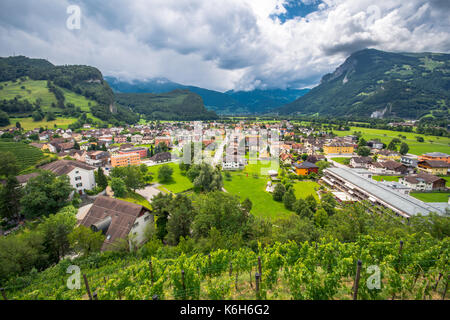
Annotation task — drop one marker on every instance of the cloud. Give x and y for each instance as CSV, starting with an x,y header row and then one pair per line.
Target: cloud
x,y
223,44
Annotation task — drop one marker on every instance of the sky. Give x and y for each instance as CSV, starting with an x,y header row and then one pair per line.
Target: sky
x,y
220,44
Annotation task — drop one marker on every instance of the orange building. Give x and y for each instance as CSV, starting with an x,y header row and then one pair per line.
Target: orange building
x,y
305,168
338,148
437,156
124,160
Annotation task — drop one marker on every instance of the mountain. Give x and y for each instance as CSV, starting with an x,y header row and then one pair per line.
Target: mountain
x,y
36,87
174,105
262,101
381,84
230,102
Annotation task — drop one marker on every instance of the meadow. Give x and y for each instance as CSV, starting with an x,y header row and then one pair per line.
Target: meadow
x,y
254,188
431,196
179,182
431,144
29,124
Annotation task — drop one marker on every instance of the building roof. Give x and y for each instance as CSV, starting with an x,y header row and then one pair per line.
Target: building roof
x,y
436,155
305,165
362,159
119,214
61,167
435,163
425,177
162,156
401,202
25,177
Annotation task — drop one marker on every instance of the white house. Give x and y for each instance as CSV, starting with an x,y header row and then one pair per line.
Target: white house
x,y
81,175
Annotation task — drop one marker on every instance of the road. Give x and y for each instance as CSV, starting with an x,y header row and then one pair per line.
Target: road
x,y
218,155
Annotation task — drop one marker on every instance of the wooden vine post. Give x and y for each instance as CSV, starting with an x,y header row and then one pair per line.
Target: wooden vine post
x,y
183,284
151,271
3,293
95,295
259,267
257,280
356,284
86,283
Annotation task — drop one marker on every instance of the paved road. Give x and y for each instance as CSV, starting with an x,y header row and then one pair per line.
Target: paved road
x,y
218,155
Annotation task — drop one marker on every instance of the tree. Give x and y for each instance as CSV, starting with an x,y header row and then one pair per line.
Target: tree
x,y
404,148
328,203
10,196
363,151
165,173
247,205
278,192
181,216
206,178
4,119
55,229
50,116
102,182
392,146
85,240
321,218
8,164
76,145
45,194
18,125
312,202
289,199
362,143
161,208
118,187
302,208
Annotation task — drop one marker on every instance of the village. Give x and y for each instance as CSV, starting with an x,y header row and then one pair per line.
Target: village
x,y
317,163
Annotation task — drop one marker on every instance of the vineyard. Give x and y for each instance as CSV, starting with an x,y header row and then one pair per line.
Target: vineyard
x,y
27,156
416,268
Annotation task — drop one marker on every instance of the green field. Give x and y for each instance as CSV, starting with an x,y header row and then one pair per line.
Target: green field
x,y
386,178
29,124
432,196
138,199
438,144
254,189
35,89
342,160
302,189
179,182
27,156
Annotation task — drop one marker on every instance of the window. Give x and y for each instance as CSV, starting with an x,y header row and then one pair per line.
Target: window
x,y
79,185
77,178
147,218
135,225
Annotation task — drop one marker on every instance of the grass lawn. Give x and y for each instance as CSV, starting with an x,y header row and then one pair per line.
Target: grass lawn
x,y
343,160
448,181
179,182
438,144
261,168
432,196
302,189
254,189
29,124
386,178
136,198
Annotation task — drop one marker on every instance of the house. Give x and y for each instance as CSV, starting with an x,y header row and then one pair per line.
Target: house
x,y
374,144
305,168
147,140
23,179
97,158
388,155
435,156
286,158
423,182
137,138
124,160
434,167
360,162
81,174
232,163
315,158
338,148
166,140
161,157
388,167
118,219
141,151
120,139
410,161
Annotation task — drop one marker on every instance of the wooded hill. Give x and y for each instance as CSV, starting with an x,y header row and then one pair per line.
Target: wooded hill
x,y
382,84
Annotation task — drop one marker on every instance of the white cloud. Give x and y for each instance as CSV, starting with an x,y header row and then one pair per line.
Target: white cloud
x,y
221,44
